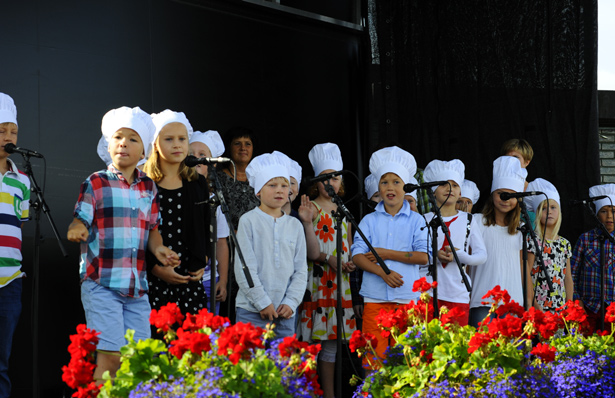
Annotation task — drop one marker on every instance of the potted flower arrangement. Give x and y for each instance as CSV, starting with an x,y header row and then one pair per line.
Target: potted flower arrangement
x,y
202,356
513,353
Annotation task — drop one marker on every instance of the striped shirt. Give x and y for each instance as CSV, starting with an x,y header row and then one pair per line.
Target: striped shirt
x,y
14,209
119,217
585,264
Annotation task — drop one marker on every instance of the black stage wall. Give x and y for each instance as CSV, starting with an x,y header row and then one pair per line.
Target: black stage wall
x,y
224,63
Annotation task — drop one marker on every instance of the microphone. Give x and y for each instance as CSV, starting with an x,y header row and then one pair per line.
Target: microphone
x,y
413,187
588,200
11,148
326,176
192,161
507,195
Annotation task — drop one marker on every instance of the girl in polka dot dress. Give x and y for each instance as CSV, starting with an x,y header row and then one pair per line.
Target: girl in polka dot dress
x,y
183,207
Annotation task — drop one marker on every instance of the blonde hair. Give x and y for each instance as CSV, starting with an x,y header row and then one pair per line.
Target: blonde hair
x,y
538,224
512,218
313,191
154,171
518,145
8,124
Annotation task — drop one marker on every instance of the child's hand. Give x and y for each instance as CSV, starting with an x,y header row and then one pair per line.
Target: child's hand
x,y
284,311
393,279
221,290
269,313
169,275
358,311
445,256
306,210
196,276
348,267
166,256
77,231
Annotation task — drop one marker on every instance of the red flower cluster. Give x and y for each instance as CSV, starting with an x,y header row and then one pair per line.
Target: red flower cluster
x,y
194,342
238,340
498,295
166,317
452,316
610,313
290,345
78,375
204,319
421,285
387,320
544,352
359,340
312,376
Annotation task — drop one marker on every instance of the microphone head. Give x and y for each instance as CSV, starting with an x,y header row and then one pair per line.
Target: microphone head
x,y
9,147
191,161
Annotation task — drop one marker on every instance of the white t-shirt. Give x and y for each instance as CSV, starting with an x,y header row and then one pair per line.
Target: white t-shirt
x,y
450,283
503,265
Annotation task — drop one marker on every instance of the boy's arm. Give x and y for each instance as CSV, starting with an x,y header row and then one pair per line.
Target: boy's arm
x,y
166,256
405,257
306,214
222,255
393,279
77,231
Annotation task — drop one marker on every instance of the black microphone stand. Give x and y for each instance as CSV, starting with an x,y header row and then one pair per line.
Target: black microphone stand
x,y
38,205
604,234
527,230
341,212
435,223
214,202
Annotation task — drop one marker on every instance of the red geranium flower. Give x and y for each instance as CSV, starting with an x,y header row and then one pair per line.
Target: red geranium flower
x,y
422,285
452,316
497,294
238,340
325,228
208,320
194,342
610,313
509,326
544,352
477,341
573,312
166,317
511,307
359,340
89,391
83,343
79,372
290,345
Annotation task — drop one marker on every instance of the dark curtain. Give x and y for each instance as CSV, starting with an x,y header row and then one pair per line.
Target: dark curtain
x,y
455,79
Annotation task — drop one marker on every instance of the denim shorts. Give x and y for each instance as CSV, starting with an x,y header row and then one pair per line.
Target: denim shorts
x,y
283,327
111,314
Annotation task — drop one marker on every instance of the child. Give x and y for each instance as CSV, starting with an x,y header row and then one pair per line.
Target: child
x,y
207,145
469,196
556,251
585,262
15,200
397,235
371,189
412,197
116,220
273,246
498,224
294,171
522,150
318,314
183,195
464,232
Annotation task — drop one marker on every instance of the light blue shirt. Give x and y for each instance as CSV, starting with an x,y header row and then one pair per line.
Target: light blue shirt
x,y
275,253
401,232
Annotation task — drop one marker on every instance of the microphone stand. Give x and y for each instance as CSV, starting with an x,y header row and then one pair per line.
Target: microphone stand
x,y
526,229
604,234
435,223
341,212
38,205
214,202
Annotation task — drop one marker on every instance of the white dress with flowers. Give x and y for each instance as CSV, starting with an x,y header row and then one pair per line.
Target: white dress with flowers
x,y
318,319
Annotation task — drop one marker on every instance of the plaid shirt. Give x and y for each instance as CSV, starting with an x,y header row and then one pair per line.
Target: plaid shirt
x,y
118,217
585,264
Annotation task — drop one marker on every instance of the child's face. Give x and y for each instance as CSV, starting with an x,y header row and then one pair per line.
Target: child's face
x,y
200,150
391,189
376,198
448,194
126,148
503,206
605,215
335,182
241,150
172,143
8,134
274,194
553,213
294,189
464,204
518,155
412,202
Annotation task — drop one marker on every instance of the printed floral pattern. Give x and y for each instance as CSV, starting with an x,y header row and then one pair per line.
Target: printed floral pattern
x,y
555,253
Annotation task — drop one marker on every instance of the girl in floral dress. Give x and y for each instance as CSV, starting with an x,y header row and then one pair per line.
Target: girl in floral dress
x,y
556,251
318,311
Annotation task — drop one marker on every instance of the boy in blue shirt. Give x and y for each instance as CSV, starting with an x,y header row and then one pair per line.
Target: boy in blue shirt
x,y
273,246
395,232
116,221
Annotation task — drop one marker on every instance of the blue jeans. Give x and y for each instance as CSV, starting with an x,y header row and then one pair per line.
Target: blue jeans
x,y
477,314
283,327
207,287
10,309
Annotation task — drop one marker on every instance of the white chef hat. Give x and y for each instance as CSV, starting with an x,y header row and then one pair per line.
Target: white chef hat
x,y
8,110
413,181
168,116
600,190
326,156
294,169
131,118
371,186
103,150
265,167
392,160
212,139
541,185
442,170
470,190
508,174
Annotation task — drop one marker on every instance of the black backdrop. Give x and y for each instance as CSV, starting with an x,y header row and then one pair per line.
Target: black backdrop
x,y
224,63
455,79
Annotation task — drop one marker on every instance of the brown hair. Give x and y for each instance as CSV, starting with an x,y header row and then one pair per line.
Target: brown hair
x,y
313,191
512,218
519,145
